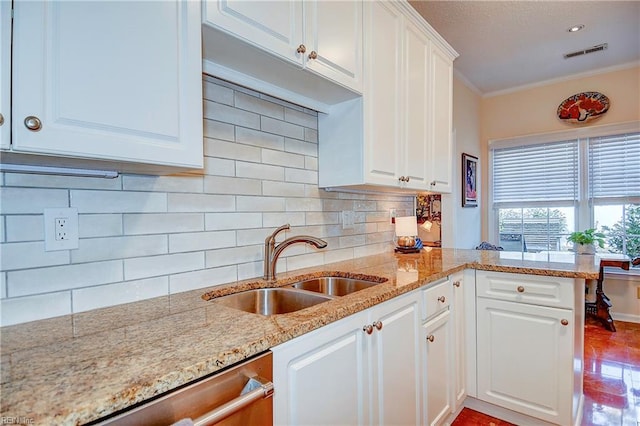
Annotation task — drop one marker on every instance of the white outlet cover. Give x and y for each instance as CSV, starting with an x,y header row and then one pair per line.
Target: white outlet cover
x,y
50,216
348,219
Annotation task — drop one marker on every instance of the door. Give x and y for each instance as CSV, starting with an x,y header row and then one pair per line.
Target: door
x,y
438,362
108,80
395,361
525,358
334,35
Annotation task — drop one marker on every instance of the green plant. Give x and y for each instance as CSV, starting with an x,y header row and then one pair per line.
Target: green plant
x,y
589,236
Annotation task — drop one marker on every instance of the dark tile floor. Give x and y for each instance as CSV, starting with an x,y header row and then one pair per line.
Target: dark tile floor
x,y
611,379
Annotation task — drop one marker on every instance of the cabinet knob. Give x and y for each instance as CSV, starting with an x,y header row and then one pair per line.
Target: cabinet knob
x,y
432,183
301,49
1,119
431,338
564,322
404,178
313,55
368,329
456,283
520,289
441,299
378,325
33,123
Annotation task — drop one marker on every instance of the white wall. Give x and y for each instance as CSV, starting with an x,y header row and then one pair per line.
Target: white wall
x,y
148,236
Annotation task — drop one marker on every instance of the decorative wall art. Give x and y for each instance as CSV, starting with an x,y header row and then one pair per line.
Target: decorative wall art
x,y
469,181
583,107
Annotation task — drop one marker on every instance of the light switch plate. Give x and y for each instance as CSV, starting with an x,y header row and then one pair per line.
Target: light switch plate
x,y
60,229
348,219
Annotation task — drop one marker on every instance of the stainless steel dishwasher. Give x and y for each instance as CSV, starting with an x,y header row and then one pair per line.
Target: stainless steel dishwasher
x,y
239,396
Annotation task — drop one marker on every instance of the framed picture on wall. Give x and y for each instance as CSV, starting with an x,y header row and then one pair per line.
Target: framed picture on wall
x,y
469,181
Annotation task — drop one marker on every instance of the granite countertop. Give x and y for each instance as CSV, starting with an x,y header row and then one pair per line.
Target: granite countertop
x,y
78,368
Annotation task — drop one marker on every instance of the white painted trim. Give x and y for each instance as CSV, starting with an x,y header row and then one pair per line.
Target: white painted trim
x,y
457,74
626,317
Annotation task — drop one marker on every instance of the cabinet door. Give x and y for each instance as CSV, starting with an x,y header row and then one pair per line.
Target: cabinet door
x,y
525,358
441,113
275,26
438,362
396,362
459,387
334,34
109,80
382,93
321,377
5,74
416,119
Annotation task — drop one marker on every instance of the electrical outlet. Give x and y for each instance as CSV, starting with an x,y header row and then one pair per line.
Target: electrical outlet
x,y
60,229
392,215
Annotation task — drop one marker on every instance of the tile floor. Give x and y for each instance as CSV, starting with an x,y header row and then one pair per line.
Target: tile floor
x,y
611,379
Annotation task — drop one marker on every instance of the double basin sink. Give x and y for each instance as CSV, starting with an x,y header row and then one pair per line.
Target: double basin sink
x,y
297,296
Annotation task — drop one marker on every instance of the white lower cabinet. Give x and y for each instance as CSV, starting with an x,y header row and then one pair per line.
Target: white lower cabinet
x,y
340,374
459,374
437,332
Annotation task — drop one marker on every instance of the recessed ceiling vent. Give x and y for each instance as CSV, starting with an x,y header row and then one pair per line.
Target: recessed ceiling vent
x,y
597,48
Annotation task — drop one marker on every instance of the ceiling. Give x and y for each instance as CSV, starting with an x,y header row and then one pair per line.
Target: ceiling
x,y
505,45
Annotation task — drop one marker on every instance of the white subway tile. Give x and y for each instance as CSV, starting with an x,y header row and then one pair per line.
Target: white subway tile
x,y
136,224
66,182
280,102
217,93
270,125
234,255
201,279
219,167
322,218
85,299
337,205
250,270
232,185
31,200
94,249
201,203
234,151
56,278
301,118
30,255
260,139
282,189
304,204
370,250
364,205
153,266
311,163
256,204
227,114
259,106
99,225
352,241
301,147
232,86
305,261
259,171
217,130
118,202
310,135
229,221
2,229
249,237
3,285
201,241
280,158
25,228
380,237
338,255
301,176
274,220
162,183
33,308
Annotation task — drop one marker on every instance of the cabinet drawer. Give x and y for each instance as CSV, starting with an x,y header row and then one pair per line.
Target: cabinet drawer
x,y
436,298
533,289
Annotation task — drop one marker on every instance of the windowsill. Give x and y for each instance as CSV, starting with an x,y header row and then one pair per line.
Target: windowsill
x,y
622,275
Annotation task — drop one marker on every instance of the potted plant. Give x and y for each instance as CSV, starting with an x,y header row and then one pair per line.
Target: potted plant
x,y
584,241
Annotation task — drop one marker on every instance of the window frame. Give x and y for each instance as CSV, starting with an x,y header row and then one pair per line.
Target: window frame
x,y
584,207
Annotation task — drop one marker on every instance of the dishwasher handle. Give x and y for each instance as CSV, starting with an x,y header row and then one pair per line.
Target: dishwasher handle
x,y
257,388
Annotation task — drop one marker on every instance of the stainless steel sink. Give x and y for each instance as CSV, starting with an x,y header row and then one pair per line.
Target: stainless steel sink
x,y
271,301
334,286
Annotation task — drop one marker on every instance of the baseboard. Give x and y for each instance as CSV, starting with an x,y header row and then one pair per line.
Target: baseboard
x,y
625,317
503,413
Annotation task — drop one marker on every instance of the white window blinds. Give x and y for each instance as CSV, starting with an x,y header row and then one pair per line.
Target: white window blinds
x,y
614,166
543,173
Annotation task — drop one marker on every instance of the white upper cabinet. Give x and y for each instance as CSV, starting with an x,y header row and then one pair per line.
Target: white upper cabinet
x,y
117,81
398,135
5,74
304,51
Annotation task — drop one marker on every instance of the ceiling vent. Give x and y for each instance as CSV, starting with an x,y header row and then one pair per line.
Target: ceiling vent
x,y
597,48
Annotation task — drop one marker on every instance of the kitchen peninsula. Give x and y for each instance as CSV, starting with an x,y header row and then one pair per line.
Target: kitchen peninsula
x,y
78,368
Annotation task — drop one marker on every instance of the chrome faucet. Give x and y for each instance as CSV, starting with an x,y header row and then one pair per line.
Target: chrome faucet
x,y
272,252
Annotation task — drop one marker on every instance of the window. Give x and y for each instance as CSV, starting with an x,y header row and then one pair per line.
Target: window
x,y
545,187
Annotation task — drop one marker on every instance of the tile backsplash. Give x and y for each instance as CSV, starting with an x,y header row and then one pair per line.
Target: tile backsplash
x,y
147,236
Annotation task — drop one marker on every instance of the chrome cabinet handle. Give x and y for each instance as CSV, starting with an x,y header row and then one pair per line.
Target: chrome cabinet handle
x,y
441,299
33,123
378,325
431,338
313,55
368,329
520,289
